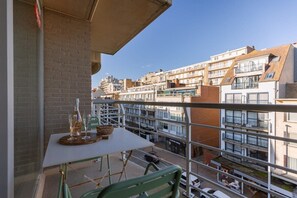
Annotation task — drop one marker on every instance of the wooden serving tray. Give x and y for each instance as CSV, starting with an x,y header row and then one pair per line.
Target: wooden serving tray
x,y
65,140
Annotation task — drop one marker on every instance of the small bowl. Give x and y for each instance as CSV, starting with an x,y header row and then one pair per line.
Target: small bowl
x,y
104,129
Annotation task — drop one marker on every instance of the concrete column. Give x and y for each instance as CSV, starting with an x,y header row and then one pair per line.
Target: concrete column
x,y
6,100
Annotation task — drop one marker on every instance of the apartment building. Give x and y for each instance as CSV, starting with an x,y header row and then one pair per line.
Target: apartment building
x,y
110,84
259,77
219,64
170,116
286,126
190,75
210,72
285,152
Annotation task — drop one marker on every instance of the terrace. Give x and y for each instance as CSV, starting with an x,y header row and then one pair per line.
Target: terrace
x,y
49,64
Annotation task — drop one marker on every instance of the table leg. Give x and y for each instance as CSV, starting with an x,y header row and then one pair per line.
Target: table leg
x,y
62,170
124,166
109,170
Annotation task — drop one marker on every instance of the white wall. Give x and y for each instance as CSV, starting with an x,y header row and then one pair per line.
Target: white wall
x,y
269,87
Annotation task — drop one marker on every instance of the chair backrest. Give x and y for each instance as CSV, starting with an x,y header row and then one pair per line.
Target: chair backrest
x,y
162,183
93,123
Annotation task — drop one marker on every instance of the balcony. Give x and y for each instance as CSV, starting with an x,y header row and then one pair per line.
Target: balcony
x,y
206,173
249,68
216,75
245,85
217,67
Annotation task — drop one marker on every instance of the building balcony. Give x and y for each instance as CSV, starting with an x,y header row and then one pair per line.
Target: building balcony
x,y
249,68
244,143
247,85
216,75
257,125
223,66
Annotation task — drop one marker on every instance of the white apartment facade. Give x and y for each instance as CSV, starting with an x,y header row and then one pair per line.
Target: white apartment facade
x,y
259,77
219,64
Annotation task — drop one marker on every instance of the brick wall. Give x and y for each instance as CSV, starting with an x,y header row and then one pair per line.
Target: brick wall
x,y
208,136
27,135
67,72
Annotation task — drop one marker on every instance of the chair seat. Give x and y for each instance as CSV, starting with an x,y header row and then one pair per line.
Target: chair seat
x,y
92,193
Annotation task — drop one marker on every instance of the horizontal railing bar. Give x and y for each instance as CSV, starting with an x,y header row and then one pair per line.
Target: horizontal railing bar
x,y
237,178
254,107
247,133
232,176
160,133
154,119
220,128
217,149
220,150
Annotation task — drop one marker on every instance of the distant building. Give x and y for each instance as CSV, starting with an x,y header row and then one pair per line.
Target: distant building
x,y
111,84
220,63
173,92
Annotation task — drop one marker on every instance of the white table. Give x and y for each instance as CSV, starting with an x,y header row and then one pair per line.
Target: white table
x,y
120,140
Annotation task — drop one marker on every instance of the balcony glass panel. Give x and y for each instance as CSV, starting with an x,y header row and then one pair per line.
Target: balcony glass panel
x,y
252,139
237,137
249,67
246,82
229,135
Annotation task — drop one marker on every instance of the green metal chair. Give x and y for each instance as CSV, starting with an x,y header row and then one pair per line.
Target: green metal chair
x,y
94,122
161,183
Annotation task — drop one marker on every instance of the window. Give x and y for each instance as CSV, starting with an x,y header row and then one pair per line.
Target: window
x,y
233,117
269,75
257,141
292,163
229,147
257,98
233,98
258,154
233,148
292,117
233,135
257,119
165,126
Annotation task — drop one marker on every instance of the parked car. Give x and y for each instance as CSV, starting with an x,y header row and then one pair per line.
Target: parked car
x,y
152,157
215,193
193,180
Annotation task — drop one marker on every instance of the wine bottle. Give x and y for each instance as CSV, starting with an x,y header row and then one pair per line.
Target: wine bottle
x,y
77,119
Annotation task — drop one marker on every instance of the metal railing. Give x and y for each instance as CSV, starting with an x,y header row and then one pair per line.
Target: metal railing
x,y
249,68
270,187
245,85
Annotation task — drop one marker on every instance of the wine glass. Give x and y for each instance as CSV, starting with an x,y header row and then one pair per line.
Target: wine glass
x,y
71,126
86,121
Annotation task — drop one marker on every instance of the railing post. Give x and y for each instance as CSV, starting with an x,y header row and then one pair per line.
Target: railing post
x,y
123,115
189,149
108,115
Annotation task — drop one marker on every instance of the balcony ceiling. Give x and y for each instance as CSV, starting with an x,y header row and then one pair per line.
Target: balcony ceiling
x,y
113,22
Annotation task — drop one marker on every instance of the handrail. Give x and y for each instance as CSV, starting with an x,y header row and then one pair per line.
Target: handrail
x,y
189,142
252,107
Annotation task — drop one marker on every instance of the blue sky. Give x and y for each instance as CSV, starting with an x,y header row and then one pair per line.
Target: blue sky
x,y
192,30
